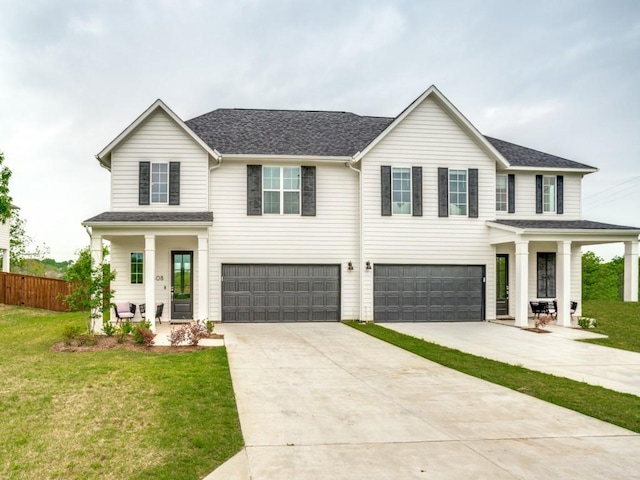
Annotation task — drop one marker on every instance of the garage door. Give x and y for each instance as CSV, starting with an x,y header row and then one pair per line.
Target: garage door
x,y
280,293
428,293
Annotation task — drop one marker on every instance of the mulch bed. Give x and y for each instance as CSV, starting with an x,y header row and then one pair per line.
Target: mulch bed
x,y
109,343
536,330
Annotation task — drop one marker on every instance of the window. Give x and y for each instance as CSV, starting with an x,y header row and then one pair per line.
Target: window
x,y
159,183
457,192
136,267
281,190
401,191
546,274
501,193
548,194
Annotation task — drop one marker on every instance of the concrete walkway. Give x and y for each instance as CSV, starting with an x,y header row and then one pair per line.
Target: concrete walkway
x,y
324,401
557,352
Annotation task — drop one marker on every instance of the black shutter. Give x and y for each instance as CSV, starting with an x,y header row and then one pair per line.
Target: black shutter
x,y
174,183
308,191
560,194
416,181
473,193
443,192
511,193
385,190
254,189
144,182
538,193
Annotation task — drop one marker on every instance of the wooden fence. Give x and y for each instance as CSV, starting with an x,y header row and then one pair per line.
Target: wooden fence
x,y
36,292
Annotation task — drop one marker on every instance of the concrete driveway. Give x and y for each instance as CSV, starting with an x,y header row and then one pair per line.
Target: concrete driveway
x,y
324,401
557,352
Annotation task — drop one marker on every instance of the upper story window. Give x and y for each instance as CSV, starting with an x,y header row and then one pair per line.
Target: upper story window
x,y
458,196
549,194
159,183
281,190
501,193
401,191
137,267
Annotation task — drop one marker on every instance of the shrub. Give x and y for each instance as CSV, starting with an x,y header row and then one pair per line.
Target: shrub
x,y
89,339
120,335
542,320
70,332
127,326
109,329
195,331
142,333
209,324
586,322
178,335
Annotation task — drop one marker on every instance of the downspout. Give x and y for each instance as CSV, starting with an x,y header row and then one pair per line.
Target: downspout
x,y
350,164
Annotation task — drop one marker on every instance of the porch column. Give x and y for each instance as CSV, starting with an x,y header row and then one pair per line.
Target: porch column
x,y
631,271
96,261
563,285
203,277
149,278
6,261
522,283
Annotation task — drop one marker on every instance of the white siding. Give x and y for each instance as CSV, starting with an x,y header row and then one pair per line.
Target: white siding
x,y
429,138
159,139
330,237
526,198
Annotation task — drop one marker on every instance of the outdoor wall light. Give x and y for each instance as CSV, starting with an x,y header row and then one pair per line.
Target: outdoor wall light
x,y
350,265
368,264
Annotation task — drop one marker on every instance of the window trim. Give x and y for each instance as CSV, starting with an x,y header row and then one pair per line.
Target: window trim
x,y
466,172
282,190
506,192
137,274
151,184
410,202
546,196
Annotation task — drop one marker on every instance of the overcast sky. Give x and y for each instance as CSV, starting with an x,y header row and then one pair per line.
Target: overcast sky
x,y
558,76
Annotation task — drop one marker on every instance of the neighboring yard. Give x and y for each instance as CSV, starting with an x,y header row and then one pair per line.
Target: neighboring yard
x,y
112,414
619,320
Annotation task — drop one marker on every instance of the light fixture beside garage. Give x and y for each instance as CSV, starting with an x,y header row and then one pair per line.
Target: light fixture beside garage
x,y
350,265
368,265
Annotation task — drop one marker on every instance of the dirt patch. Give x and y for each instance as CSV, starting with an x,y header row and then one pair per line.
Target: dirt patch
x,y
109,343
536,330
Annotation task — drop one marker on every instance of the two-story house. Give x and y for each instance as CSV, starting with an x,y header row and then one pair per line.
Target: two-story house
x,y
278,215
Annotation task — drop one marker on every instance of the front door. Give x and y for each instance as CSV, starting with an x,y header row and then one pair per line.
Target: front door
x,y
502,284
181,285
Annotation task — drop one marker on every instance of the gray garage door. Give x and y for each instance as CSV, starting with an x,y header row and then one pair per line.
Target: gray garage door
x,y
428,293
280,293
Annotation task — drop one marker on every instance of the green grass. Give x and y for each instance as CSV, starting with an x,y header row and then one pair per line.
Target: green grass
x,y
113,414
619,320
620,409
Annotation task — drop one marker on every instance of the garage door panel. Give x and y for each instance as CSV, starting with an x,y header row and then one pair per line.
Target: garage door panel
x,y
277,293
418,293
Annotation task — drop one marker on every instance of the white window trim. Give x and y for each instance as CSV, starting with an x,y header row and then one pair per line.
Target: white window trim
x,y
410,191
130,270
151,201
506,189
555,194
282,190
466,170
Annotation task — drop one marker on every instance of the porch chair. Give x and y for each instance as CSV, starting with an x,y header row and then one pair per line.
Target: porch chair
x,y
573,306
539,307
159,310
124,310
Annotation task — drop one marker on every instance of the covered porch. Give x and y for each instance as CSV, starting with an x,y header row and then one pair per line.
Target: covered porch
x,y
541,260
158,260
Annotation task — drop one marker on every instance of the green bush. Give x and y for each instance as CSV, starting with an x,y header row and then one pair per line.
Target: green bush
x,y
70,333
109,329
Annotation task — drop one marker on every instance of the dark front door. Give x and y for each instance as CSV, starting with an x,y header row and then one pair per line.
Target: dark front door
x,y
181,285
502,284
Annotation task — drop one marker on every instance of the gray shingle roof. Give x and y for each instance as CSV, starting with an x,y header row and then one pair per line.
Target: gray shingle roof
x,y
287,132
564,225
520,156
169,217
321,133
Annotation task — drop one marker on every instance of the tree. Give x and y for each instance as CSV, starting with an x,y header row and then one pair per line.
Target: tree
x,y
5,198
91,285
22,246
600,280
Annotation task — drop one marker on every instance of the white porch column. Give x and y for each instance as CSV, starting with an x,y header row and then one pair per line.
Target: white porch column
x,y
6,261
96,260
203,277
563,285
150,279
522,283
631,271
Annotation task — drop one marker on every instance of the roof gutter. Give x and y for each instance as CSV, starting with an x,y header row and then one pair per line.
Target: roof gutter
x,y
350,164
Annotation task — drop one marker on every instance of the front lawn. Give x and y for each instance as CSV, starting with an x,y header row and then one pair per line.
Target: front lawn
x,y
112,414
620,409
619,320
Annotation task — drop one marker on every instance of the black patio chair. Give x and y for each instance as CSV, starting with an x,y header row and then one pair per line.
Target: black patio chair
x,y
539,307
159,310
